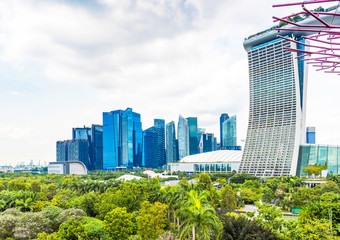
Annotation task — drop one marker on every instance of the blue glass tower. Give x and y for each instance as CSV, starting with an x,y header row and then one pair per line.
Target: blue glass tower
x,y
150,148
159,125
224,117
183,137
96,147
137,140
193,146
209,142
171,143
310,135
229,132
112,139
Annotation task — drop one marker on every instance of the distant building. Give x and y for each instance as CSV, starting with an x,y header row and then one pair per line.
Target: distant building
x,y
223,118
62,151
310,154
183,137
229,132
150,148
171,143
310,135
216,161
193,146
200,132
78,150
209,142
70,167
94,137
122,139
159,125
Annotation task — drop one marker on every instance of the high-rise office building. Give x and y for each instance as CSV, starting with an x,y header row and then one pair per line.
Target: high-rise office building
x,y
183,137
62,151
159,125
223,117
94,137
209,142
112,139
310,135
122,139
229,132
200,132
78,150
193,146
276,124
171,143
96,147
150,137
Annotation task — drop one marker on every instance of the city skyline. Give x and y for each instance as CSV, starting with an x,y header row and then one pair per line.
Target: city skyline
x,y
56,75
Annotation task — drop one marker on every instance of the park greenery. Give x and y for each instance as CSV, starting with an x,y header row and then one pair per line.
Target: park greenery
x,y
97,206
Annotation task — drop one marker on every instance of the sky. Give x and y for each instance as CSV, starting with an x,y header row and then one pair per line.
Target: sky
x,y
64,62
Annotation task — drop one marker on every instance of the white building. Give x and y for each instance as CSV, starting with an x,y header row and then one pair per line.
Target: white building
x,y
216,161
71,167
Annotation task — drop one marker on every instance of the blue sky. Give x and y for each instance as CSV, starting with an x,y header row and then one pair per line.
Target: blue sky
x,y
62,63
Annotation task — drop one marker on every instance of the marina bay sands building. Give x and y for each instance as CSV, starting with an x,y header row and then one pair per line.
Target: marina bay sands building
x,y
276,124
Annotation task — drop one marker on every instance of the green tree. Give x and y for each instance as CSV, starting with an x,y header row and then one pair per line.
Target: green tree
x,y
152,220
238,227
36,186
199,218
118,224
94,228
269,215
72,230
205,181
25,205
7,225
228,199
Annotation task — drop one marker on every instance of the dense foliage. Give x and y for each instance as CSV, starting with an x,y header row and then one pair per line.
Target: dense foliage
x,y
97,206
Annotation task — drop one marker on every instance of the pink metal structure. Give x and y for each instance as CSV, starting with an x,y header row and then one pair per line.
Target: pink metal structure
x,y
322,50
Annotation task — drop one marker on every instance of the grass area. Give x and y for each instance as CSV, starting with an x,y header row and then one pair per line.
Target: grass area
x,y
287,218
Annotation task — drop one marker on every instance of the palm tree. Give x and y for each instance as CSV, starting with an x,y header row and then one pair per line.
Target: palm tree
x,y
25,205
199,218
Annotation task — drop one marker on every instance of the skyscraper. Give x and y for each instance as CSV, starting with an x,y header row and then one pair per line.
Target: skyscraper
x,y
229,132
193,146
62,151
223,117
200,132
310,135
159,125
150,136
209,142
171,143
183,137
112,139
276,124
78,150
122,139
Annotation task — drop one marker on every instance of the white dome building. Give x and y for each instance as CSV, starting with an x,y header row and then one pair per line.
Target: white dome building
x,y
216,161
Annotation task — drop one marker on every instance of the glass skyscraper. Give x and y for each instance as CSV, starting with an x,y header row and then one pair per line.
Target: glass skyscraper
x,y
193,146
159,125
183,137
229,132
112,139
62,151
276,124
122,139
310,135
209,142
171,143
223,117
150,148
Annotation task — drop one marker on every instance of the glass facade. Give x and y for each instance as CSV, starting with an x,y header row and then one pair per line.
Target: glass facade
x,y
112,139
159,125
193,146
223,117
96,163
183,137
310,135
311,154
62,151
229,132
209,142
78,150
150,136
171,143
277,104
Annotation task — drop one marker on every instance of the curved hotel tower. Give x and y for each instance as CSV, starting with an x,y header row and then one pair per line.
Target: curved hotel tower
x,y
276,124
